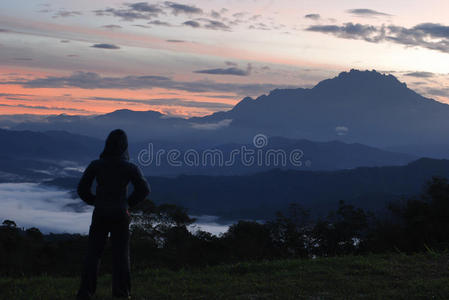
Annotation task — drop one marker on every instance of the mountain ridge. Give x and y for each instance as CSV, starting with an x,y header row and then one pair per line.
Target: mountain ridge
x,y
357,106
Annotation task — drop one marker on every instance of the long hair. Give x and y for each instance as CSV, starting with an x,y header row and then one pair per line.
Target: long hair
x,y
116,145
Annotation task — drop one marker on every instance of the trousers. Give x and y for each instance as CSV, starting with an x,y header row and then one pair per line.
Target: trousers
x,y
99,230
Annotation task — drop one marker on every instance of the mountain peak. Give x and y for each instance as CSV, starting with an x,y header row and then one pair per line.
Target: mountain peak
x,y
362,79
127,113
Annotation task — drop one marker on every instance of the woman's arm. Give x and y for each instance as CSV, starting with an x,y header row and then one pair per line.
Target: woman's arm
x,y
85,184
141,187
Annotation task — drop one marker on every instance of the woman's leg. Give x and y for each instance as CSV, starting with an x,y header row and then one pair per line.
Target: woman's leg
x,y
98,234
121,275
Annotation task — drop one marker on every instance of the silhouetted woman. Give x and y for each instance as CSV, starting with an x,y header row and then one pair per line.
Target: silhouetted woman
x,y
113,172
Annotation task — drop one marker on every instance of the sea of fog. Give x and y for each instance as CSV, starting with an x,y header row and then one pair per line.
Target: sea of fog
x,y
54,210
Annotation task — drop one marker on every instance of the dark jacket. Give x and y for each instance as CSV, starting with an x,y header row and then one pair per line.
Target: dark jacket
x,y
113,172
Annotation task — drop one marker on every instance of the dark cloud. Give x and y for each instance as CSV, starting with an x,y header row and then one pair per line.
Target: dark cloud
x,y
23,58
66,13
366,12
64,41
219,96
255,17
178,8
192,23
9,95
89,80
259,26
141,26
207,24
349,31
133,11
45,107
313,16
215,25
4,30
146,11
215,14
159,23
72,55
125,14
169,102
105,46
145,7
420,74
426,35
239,15
231,63
433,30
112,26
175,41
227,71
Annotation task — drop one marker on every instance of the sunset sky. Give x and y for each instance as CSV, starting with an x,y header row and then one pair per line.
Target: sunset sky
x,y
192,58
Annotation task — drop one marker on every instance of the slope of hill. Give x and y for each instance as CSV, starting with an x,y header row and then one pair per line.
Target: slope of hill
x,y
260,195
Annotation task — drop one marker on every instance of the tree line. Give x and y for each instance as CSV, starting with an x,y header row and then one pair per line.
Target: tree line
x,y
160,237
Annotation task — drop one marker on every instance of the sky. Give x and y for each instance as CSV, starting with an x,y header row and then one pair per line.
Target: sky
x,y
193,58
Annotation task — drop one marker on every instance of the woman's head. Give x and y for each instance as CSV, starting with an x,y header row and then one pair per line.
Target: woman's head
x,y
116,145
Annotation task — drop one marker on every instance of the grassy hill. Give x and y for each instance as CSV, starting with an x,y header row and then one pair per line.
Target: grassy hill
x,y
390,276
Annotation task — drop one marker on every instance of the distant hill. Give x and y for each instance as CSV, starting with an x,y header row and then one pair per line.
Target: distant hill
x,y
54,145
260,195
334,155
25,152
364,107
28,155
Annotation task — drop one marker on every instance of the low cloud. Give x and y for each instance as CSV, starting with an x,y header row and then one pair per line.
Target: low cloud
x,y
431,36
105,46
227,71
314,17
420,74
341,130
212,126
366,12
442,92
49,209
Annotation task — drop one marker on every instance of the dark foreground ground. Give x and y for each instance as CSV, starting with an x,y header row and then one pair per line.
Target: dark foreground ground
x,y
392,276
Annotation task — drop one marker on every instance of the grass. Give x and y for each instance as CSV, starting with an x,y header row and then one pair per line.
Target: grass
x,y
390,276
